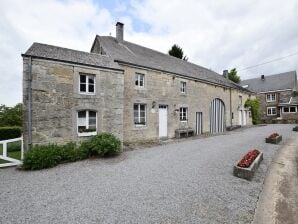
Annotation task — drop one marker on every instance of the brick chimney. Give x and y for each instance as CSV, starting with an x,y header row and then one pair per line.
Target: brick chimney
x,y
263,77
119,32
225,73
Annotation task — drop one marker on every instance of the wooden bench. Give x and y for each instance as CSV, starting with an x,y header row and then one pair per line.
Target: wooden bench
x,y
184,132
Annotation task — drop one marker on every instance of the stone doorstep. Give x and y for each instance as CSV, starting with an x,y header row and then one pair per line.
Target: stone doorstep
x,y
275,140
248,173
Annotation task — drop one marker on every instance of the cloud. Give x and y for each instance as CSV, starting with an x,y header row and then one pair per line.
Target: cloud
x,y
218,34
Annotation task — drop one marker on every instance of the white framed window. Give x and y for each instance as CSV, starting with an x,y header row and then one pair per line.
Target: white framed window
x,y
87,84
87,122
270,97
290,109
140,80
139,112
271,111
240,101
183,113
182,87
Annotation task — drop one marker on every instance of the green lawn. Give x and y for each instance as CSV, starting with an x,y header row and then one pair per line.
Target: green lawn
x,y
13,151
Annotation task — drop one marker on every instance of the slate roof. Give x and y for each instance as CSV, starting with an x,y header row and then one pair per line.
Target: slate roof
x,y
134,54
286,80
68,55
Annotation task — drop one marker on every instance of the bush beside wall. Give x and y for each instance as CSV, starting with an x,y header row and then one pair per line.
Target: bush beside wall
x,y
10,133
46,156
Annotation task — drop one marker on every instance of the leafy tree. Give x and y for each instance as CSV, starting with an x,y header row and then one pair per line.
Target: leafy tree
x,y
177,52
255,109
233,76
11,116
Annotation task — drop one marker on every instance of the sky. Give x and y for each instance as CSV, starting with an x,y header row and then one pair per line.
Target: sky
x,y
216,34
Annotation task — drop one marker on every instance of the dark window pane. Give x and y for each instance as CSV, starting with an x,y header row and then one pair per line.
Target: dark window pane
x,y
92,114
82,87
292,109
91,79
286,109
83,78
135,107
82,114
91,88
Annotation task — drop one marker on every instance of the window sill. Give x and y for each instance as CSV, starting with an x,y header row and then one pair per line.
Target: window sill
x,y
88,94
85,134
271,115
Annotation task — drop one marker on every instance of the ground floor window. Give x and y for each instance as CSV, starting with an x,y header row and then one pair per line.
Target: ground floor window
x,y
183,113
271,111
139,111
290,109
87,121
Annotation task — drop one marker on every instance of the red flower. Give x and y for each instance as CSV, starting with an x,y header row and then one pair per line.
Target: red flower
x,y
273,135
248,159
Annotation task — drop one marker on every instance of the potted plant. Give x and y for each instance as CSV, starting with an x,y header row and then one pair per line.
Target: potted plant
x,y
295,128
274,138
246,167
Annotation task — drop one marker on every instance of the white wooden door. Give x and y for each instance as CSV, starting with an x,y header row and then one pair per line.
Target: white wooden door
x,y
240,117
244,117
163,121
199,123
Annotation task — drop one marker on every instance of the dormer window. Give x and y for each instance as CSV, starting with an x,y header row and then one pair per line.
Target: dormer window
x,y
87,84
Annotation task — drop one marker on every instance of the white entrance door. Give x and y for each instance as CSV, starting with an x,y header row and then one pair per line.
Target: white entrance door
x,y
163,121
244,117
240,117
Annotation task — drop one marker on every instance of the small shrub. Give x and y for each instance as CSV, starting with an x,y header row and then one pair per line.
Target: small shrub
x,y
10,133
41,157
70,152
104,144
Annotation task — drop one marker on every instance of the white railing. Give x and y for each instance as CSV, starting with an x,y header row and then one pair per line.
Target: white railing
x,y
11,161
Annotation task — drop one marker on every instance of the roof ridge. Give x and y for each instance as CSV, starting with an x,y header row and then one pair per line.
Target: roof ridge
x,y
276,74
164,54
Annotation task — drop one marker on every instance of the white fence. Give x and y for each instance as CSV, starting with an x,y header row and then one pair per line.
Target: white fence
x,y
11,161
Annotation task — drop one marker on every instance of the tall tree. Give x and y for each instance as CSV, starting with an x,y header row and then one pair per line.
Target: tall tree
x,y
233,76
11,116
177,52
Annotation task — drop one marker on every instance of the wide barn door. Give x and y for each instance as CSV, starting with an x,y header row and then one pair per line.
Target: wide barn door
x,y
217,116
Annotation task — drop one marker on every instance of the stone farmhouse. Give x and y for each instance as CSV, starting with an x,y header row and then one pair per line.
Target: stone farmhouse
x,y
132,91
278,96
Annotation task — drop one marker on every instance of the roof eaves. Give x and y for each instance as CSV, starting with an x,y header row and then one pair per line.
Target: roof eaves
x,y
67,61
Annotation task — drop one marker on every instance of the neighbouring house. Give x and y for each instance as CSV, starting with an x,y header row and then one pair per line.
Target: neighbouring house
x,y
132,91
278,96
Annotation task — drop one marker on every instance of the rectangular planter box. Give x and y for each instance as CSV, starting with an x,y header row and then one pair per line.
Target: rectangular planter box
x,y
248,173
295,128
274,140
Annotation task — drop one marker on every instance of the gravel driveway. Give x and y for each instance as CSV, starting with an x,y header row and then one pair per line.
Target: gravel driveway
x,y
186,182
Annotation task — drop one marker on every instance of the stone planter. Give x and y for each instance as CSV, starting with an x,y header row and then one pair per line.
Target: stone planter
x,y
275,140
248,173
295,128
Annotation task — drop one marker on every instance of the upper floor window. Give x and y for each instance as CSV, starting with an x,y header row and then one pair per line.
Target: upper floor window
x,y
183,113
140,80
290,109
86,122
270,97
240,101
182,87
271,111
87,83
139,111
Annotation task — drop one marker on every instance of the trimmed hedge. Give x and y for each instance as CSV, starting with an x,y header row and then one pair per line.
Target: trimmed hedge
x,y
46,156
10,132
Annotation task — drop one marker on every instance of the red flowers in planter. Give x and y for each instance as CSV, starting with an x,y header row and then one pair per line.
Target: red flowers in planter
x,y
274,135
248,159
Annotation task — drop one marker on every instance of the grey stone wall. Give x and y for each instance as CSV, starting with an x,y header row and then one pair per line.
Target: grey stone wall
x,y
165,89
56,100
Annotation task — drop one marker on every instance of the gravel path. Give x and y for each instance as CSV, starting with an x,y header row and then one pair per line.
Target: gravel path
x,y
186,182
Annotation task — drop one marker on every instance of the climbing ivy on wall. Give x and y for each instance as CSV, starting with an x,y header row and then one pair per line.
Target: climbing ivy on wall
x,y
254,104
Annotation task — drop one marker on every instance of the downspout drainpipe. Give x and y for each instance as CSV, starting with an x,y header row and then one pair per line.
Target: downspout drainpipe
x,y
231,113
30,102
